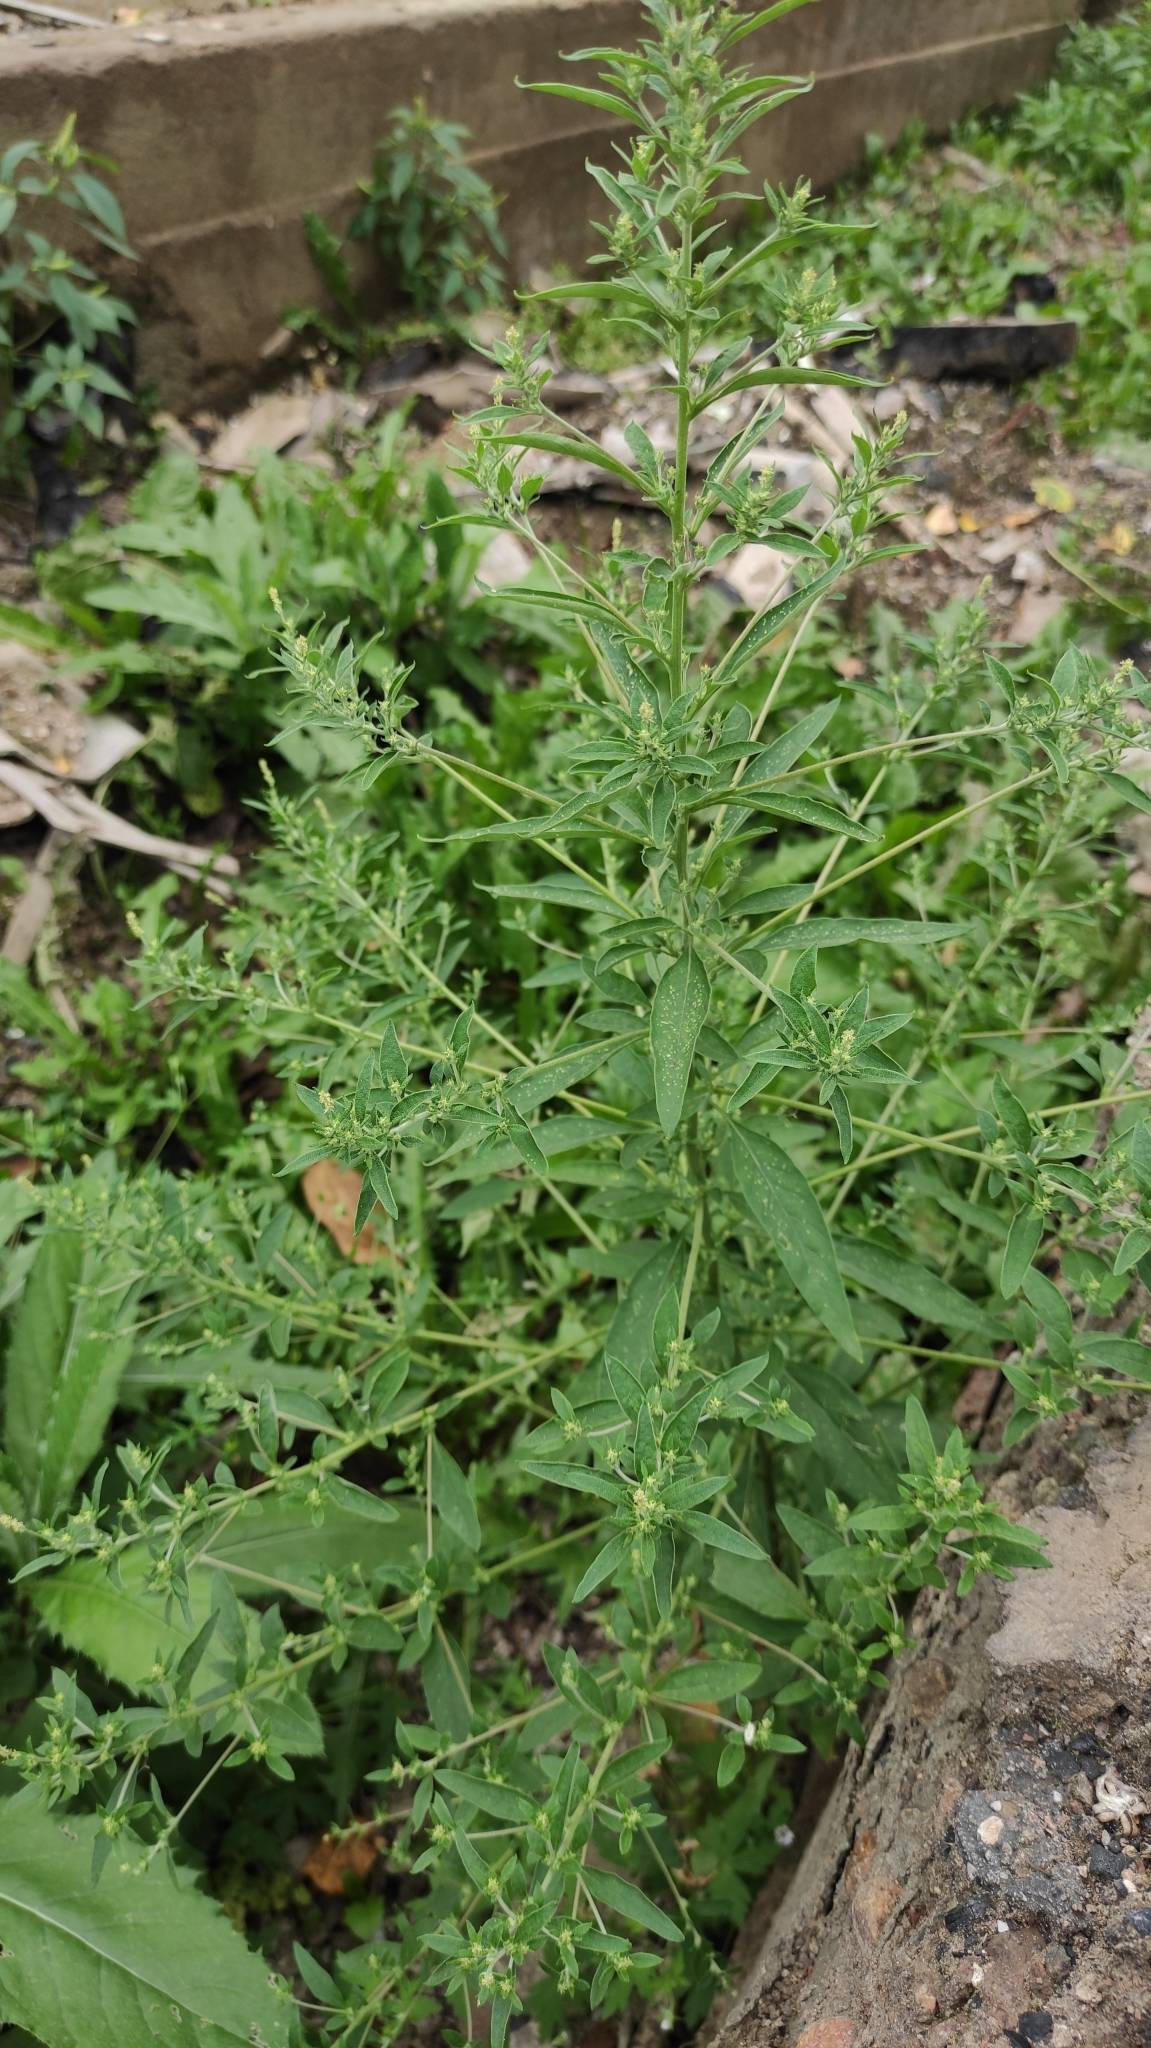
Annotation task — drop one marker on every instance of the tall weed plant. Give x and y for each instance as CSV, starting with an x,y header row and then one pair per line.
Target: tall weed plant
x,y
691,1114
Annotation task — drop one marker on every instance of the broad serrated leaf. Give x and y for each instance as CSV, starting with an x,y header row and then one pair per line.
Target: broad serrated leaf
x,y
68,1348
127,1629
138,1957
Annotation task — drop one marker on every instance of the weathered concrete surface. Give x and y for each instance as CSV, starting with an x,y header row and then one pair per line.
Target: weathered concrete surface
x,y
232,126
981,1876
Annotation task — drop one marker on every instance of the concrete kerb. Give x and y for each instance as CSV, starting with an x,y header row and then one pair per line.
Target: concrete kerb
x,y
233,127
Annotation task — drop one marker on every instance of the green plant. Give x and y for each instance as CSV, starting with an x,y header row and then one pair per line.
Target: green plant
x,y
55,314
432,228
705,1121
432,221
1055,191
1090,125
174,607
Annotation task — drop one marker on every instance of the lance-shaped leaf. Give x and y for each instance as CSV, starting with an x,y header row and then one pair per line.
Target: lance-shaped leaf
x,y
923,1294
677,1017
453,1497
780,1201
624,1899
1023,1240
769,623
857,931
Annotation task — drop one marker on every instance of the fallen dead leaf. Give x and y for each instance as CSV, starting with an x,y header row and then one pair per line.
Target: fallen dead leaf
x,y
1053,494
504,560
107,741
330,1862
1023,515
1119,541
1035,610
332,1192
836,414
940,519
758,574
1029,565
269,425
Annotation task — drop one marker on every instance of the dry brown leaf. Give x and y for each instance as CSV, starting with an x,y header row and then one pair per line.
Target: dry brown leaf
x,y
1024,515
504,560
1119,541
940,519
1053,494
759,575
269,425
329,1862
1035,610
332,1192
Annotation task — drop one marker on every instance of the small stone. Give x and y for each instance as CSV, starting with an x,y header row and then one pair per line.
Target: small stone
x,y
968,1916
1088,1991
990,1831
1105,1862
873,1905
926,2001
1035,2026
1138,1922
837,2033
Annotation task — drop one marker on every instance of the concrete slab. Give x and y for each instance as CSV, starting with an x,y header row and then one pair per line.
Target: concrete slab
x,y
235,124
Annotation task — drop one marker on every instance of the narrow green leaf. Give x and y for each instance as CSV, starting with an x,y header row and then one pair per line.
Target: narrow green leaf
x,y
581,1479
858,931
452,1497
531,1089
771,622
717,1679
608,1560
503,1801
1023,1241
789,746
922,1294
566,889
629,1902
677,1016
780,1201
804,810
717,1535
918,1438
